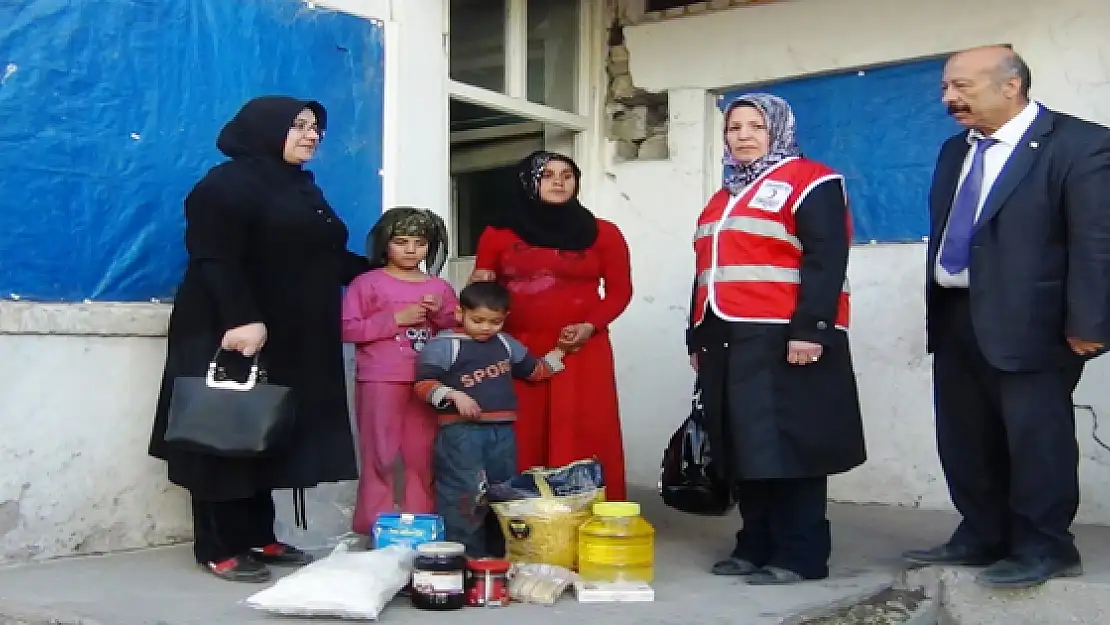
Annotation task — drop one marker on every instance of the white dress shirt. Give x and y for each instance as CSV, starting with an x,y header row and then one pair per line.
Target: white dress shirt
x,y
994,159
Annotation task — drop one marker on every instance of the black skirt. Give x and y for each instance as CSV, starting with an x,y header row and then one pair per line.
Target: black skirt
x,y
769,419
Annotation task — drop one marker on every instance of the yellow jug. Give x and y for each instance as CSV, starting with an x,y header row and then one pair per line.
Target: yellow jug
x,y
616,544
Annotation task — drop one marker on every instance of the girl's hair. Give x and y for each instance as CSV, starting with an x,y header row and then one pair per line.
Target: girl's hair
x,y
407,221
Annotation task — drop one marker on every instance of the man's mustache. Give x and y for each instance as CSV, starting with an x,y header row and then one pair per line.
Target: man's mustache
x,y
958,108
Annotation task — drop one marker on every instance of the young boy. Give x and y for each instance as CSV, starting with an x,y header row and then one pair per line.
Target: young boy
x,y
468,377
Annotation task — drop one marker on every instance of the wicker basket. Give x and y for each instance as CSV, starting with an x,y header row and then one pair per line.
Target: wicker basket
x,y
544,530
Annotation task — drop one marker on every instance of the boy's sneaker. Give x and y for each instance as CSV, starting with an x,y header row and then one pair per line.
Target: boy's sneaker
x,y
280,554
239,569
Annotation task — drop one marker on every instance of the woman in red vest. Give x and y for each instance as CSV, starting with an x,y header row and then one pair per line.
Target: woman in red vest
x,y
768,337
552,254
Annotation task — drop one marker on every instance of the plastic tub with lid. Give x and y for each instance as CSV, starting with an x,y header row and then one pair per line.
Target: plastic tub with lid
x,y
616,544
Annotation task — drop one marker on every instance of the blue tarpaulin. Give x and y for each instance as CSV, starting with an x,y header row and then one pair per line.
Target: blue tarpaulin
x,y
109,112
882,129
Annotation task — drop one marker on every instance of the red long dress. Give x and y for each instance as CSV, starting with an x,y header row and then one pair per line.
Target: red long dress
x,y
575,414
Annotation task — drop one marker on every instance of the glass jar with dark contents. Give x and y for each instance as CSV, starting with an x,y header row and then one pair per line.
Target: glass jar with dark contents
x,y
438,576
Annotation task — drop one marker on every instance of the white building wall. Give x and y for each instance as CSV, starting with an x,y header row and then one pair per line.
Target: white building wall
x,y
656,203
79,381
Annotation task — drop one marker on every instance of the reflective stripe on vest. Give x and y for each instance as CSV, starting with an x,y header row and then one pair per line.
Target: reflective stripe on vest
x,y
756,273
762,227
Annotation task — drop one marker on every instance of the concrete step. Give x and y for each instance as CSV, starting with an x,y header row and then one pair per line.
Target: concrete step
x,y
961,601
950,596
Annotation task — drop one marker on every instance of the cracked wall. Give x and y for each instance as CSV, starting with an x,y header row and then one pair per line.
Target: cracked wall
x,y
638,120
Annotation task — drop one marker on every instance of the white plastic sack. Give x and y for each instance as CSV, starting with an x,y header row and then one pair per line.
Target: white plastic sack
x,y
346,584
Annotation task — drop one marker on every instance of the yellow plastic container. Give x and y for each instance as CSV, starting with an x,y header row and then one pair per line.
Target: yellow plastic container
x,y
616,544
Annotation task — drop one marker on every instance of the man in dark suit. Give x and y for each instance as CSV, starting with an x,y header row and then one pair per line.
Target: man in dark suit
x,y
1018,298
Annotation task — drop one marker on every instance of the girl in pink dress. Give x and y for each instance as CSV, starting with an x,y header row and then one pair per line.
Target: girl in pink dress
x,y
389,314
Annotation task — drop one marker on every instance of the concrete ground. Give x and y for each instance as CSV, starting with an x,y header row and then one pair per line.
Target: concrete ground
x,y
164,587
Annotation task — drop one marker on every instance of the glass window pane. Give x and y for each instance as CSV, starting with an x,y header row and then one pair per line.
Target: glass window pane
x,y
477,55
480,194
484,175
485,148
466,116
553,53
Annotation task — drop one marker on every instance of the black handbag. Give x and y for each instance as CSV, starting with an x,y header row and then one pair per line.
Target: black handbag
x,y
687,481
222,417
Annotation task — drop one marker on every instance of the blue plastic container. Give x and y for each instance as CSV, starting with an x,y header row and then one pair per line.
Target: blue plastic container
x,y
408,530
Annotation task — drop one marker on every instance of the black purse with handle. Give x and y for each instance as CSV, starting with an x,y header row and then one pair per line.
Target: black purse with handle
x,y
224,417
687,481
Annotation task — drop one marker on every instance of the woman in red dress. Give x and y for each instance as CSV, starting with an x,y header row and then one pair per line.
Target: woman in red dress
x,y
553,255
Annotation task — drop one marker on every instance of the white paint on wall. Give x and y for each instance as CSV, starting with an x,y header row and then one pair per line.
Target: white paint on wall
x,y
417,125
656,203
76,420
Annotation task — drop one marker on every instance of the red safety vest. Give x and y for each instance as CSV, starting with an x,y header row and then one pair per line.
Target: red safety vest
x,y
747,252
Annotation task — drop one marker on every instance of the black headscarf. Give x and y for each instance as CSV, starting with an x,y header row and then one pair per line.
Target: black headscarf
x,y
568,226
259,130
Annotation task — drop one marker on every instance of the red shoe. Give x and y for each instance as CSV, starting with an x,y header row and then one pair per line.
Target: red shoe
x,y
239,569
280,554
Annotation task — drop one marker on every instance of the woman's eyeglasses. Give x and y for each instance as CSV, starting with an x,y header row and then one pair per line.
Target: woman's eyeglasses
x,y
301,125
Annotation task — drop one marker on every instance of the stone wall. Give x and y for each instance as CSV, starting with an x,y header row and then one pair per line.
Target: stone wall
x,y
637,119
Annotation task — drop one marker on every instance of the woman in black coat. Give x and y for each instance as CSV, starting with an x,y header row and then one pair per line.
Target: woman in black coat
x,y
770,343
267,264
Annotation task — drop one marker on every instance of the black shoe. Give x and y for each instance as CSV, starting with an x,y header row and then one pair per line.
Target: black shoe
x,y
240,569
773,576
1026,572
954,555
734,567
280,554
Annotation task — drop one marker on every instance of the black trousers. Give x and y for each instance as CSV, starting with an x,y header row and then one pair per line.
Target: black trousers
x,y
225,529
785,525
1006,442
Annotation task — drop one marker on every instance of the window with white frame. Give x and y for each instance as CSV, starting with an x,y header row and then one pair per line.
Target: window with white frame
x,y
526,49
519,81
